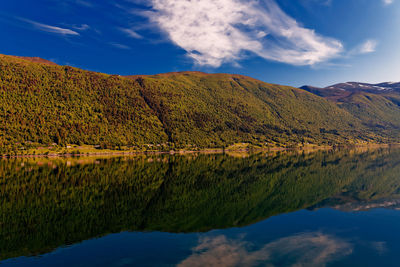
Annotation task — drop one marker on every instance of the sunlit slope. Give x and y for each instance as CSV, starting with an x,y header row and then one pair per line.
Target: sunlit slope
x,y
377,106
218,109
378,112
44,103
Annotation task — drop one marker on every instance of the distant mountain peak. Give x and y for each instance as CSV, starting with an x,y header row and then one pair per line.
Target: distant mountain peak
x,y
352,86
340,91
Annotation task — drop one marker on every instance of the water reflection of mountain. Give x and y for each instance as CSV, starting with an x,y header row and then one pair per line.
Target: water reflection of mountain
x,y
355,205
48,203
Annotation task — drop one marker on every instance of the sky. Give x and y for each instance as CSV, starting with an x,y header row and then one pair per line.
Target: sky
x,y
290,42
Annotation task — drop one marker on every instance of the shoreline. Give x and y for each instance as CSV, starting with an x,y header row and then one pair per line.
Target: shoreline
x,y
201,151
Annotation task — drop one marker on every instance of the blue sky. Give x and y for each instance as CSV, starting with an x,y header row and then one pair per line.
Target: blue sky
x,y
315,42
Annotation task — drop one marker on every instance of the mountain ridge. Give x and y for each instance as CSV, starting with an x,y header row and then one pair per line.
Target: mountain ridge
x,y
45,104
341,90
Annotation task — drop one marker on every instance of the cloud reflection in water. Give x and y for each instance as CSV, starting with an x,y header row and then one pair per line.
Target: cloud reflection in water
x,y
306,249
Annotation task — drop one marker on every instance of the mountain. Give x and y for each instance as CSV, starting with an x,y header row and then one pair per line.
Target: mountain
x,y
376,105
217,109
355,205
45,103
341,91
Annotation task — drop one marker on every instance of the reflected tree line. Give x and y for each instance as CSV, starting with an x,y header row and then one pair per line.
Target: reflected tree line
x,y
48,203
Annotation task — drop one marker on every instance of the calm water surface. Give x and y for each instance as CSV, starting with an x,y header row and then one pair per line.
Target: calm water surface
x,y
289,209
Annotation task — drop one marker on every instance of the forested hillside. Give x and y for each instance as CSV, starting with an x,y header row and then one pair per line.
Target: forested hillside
x,y
377,106
43,104
53,104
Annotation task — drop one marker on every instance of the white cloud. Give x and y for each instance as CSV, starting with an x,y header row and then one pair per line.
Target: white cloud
x,y
131,33
214,32
387,2
310,3
84,3
120,46
367,47
307,249
82,27
49,28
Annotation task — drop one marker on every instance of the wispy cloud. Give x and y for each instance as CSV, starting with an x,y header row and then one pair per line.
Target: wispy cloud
x,y
387,2
82,27
131,33
84,3
120,46
51,29
307,249
214,32
313,2
369,46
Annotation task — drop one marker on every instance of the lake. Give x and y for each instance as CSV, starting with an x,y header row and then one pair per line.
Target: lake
x,y
325,208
